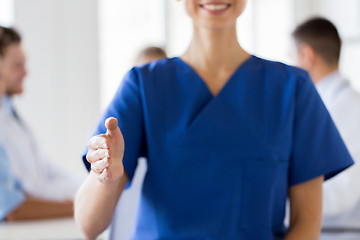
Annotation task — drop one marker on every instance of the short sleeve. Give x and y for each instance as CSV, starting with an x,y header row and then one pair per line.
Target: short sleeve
x,y
11,194
317,147
126,106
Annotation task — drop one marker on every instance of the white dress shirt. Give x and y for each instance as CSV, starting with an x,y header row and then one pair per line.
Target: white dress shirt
x,y
341,204
36,174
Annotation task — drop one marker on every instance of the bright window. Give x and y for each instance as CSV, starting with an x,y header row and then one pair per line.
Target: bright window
x,y
6,13
125,28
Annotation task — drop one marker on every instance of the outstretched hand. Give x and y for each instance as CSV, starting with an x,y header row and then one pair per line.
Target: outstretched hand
x,y
106,152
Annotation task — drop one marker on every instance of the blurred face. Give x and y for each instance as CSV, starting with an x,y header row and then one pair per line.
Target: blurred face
x,y
214,14
13,70
305,56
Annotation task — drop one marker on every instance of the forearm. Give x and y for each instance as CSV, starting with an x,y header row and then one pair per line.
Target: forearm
x,y
305,210
34,209
95,203
304,230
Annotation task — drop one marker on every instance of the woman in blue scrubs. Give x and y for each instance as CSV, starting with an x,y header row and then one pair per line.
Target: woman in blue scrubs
x,y
228,138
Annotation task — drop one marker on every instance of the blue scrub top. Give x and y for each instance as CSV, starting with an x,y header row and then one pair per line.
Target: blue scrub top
x,y
219,167
11,194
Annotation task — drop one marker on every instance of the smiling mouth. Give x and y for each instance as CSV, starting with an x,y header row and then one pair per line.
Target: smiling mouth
x,y
215,7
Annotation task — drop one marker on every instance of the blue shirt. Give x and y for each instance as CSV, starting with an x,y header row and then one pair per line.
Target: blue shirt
x,y
219,167
11,194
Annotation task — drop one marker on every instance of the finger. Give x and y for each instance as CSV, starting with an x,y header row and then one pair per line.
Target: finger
x,y
97,142
99,166
96,155
112,127
105,176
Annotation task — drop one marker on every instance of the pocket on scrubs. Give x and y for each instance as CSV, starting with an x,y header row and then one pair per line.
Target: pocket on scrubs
x,y
264,192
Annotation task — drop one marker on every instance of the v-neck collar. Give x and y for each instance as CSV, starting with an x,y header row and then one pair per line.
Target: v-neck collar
x,y
209,101
229,80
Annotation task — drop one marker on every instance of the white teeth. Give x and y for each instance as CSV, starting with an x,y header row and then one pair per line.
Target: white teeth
x,y
214,7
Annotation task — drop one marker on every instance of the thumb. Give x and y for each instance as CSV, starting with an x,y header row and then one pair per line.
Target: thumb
x,y
112,128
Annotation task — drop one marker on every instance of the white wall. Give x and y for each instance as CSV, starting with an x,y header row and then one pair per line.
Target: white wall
x,y
273,23
125,28
6,12
61,99
178,28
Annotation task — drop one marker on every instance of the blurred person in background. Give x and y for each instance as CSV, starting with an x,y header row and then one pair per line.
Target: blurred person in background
x,y
11,194
149,54
318,51
31,186
228,137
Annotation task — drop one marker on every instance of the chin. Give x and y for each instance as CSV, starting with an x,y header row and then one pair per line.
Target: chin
x,y
15,92
218,26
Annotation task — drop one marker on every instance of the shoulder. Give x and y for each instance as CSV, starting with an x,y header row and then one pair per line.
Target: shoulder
x,y
157,74
155,67
338,91
350,95
279,75
152,78
347,100
282,70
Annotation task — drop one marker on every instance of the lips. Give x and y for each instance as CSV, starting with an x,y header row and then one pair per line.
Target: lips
x,y
215,6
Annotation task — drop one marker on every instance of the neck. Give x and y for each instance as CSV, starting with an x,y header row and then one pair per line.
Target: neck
x,y
214,50
322,71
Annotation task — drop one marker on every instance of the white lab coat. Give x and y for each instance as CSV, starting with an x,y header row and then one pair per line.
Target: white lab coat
x,y
36,174
341,195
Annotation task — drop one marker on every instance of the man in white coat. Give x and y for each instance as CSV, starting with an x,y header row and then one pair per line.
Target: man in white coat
x,y
318,50
30,186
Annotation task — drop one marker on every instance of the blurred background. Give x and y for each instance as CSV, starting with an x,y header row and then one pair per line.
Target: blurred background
x,y
79,50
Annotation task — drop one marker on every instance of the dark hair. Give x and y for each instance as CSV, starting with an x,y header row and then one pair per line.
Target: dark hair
x,y
152,51
322,36
8,36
